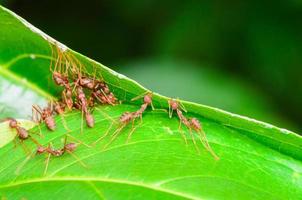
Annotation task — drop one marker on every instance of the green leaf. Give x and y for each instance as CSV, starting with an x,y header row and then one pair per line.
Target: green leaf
x,y
257,160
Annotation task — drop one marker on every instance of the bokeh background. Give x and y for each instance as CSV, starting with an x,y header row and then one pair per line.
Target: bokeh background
x,y
240,56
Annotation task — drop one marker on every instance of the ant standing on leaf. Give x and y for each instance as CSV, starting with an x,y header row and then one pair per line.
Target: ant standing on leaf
x,y
193,123
67,148
22,133
128,117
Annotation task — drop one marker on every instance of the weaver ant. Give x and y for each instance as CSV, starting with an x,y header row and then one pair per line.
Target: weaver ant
x,y
45,115
59,108
99,89
22,133
193,123
128,117
67,148
83,104
103,95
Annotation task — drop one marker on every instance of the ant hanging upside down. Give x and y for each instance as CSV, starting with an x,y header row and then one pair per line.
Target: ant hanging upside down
x,y
192,123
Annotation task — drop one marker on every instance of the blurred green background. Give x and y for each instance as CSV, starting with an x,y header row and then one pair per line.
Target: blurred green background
x,y
240,56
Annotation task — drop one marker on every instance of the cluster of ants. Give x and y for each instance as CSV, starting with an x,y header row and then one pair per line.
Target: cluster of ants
x,y
84,92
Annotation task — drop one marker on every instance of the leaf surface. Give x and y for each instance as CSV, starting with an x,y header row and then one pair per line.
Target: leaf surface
x,y
257,160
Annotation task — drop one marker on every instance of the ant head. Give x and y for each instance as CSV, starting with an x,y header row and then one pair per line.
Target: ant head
x,y
40,150
13,123
173,103
70,147
148,98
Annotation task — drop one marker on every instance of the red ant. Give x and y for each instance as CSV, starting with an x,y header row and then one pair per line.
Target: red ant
x,y
175,106
45,115
195,125
100,90
67,97
67,148
83,104
190,124
103,95
127,117
22,133
62,80
59,108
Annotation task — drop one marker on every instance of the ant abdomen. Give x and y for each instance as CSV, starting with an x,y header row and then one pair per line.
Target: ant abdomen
x,y
89,120
50,123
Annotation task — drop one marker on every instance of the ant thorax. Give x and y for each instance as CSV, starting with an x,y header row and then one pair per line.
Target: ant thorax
x,y
22,133
89,120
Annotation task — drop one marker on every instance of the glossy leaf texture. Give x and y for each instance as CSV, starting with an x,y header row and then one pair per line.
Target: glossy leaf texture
x,y
257,160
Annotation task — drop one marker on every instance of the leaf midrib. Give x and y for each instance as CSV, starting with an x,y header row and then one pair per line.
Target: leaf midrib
x,y
105,180
151,186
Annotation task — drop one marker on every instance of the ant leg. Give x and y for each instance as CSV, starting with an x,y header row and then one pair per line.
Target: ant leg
x,y
157,109
19,168
64,123
40,131
106,115
82,120
132,130
205,143
194,142
182,133
35,141
103,136
25,148
114,135
46,164
76,139
182,105
78,159
15,142
108,100
170,110
140,96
